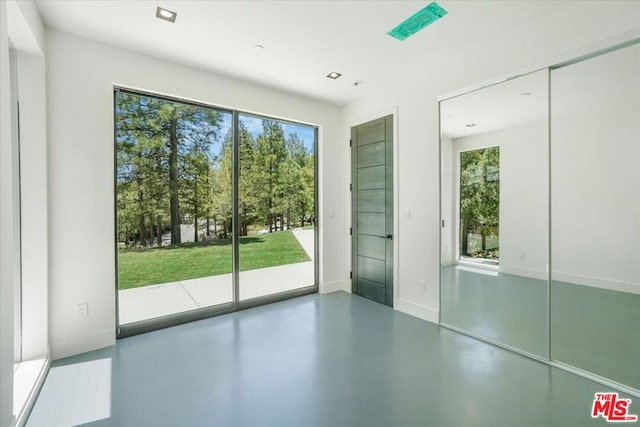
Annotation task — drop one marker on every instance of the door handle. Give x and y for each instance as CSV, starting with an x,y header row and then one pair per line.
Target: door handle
x,y
388,236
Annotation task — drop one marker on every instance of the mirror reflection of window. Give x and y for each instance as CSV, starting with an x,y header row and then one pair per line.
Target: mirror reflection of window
x,y
480,205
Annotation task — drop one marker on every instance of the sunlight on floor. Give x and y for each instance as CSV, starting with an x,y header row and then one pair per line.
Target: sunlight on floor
x,y
84,393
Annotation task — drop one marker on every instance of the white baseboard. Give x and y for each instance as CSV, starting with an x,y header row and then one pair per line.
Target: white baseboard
x,y
336,286
95,341
417,310
596,282
530,273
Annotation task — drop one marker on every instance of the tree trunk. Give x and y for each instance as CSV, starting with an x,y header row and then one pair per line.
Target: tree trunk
x,y
195,209
243,226
208,226
271,215
159,231
174,202
142,230
463,237
288,218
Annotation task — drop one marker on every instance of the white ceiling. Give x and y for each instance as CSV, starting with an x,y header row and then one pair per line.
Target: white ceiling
x,y
304,40
497,107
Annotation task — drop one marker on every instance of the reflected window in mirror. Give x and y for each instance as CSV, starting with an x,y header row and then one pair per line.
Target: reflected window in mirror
x,y
480,205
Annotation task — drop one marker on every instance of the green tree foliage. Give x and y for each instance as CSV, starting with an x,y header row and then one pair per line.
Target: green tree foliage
x,y
268,173
299,183
479,199
175,167
221,189
163,158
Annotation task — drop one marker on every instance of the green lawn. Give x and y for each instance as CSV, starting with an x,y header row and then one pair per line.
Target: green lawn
x,y
202,259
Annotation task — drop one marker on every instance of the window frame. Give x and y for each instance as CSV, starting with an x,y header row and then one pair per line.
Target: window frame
x,y
148,325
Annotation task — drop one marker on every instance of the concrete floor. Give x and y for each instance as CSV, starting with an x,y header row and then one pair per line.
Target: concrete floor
x,y
597,330
318,360
505,308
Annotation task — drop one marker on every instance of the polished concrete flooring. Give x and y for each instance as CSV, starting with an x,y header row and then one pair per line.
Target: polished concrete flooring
x,y
593,329
508,309
318,360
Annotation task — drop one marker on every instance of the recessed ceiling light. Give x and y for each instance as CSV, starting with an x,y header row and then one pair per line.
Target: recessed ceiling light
x,y
356,83
333,75
259,47
470,125
166,14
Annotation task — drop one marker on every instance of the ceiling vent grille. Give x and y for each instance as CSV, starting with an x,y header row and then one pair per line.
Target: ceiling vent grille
x,y
418,21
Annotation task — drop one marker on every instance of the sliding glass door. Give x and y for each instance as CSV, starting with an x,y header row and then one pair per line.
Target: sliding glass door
x,y
173,206
276,206
212,207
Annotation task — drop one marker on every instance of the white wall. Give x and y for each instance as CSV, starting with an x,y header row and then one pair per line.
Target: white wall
x,y
22,24
415,93
524,195
595,133
80,79
8,267
524,201
33,192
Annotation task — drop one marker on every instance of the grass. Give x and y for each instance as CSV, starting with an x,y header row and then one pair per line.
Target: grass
x,y
203,259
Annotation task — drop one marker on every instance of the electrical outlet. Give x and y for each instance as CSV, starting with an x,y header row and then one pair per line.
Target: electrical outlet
x,y
423,286
82,310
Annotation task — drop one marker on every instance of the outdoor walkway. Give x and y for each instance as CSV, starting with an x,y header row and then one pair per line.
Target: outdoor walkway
x,y
147,302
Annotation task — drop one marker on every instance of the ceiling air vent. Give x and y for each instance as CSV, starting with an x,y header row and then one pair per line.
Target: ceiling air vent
x,y
418,21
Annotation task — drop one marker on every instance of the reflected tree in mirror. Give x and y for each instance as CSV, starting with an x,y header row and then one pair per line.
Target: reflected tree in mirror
x,y
480,205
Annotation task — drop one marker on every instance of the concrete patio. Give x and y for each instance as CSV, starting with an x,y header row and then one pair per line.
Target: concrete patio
x,y
168,298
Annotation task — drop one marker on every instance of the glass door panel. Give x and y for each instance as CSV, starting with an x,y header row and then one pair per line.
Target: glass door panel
x,y
276,206
173,205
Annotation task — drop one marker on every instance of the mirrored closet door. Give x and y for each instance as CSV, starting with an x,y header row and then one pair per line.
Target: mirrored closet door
x,y
540,210
595,215
495,238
